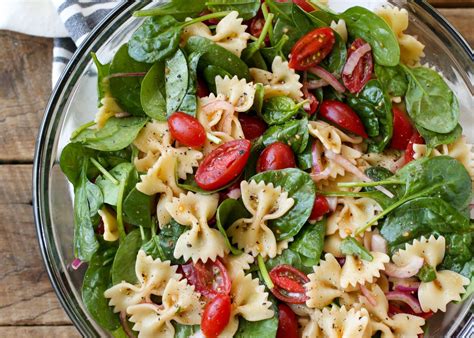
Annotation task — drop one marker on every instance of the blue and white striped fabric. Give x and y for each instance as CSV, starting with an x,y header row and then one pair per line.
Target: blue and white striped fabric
x,y
79,18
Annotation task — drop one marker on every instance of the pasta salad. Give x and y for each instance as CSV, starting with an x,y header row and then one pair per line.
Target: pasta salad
x,y
271,169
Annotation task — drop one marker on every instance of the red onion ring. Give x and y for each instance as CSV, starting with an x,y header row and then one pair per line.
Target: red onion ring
x,y
315,84
76,263
370,297
332,202
328,77
412,287
406,298
354,59
124,322
378,244
406,271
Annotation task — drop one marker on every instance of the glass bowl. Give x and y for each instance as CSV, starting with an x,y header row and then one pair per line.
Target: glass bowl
x,y
73,103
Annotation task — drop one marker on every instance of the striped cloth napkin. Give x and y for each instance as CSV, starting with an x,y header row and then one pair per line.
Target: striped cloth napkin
x,y
79,18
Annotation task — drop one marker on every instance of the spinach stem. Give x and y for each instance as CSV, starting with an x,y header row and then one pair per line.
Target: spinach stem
x,y
204,18
264,272
81,128
265,15
153,227
120,226
212,138
266,27
368,184
104,171
142,233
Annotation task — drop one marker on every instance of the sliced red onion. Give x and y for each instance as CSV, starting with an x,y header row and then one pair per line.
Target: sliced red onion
x,y
347,165
234,193
370,297
317,171
332,202
315,84
398,164
412,287
328,77
218,105
76,263
124,322
354,59
406,271
406,298
378,244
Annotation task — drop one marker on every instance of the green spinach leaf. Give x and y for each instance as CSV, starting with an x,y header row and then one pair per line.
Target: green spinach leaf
x,y
184,331
309,243
270,53
266,328
137,208
289,257
430,102
259,98
103,71
168,237
247,8
117,134
210,72
227,213
279,109
367,25
336,60
179,9
433,139
294,133
427,273
300,187
393,79
152,92
124,171
459,253
351,247
72,159
189,103
123,268
305,158
177,79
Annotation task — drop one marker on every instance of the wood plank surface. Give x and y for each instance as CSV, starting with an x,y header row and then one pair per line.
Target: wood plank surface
x,y
28,305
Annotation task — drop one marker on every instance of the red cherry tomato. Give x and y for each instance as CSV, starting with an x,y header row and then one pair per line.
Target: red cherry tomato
x,y
402,130
409,152
209,279
187,129
320,207
343,116
312,48
252,126
223,164
256,25
276,156
216,316
202,90
302,3
287,322
289,284
362,71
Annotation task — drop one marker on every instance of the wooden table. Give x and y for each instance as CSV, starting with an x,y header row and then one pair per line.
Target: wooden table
x,y
28,304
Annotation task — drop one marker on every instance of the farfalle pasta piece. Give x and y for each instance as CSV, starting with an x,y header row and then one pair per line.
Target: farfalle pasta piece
x,y
237,92
332,245
340,28
200,242
324,284
282,81
340,322
109,220
309,326
152,275
350,214
264,202
238,264
109,108
249,300
230,33
411,50
154,137
179,303
448,285
359,271
330,136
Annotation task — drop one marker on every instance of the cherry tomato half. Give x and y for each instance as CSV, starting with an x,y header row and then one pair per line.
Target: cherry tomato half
x,y
276,156
302,3
320,207
252,126
187,129
287,322
216,316
312,48
362,71
343,116
223,164
409,152
402,130
209,279
289,284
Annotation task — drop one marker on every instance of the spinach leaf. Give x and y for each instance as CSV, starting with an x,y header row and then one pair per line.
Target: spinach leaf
x,y
247,8
367,25
73,156
279,109
117,134
324,15
189,103
427,273
179,9
152,92
375,109
270,53
210,72
184,331
289,257
309,243
393,79
380,174
103,71
156,39
259,98
459,253
97,279
294,133
430,102
227,213
266,328
125,81
305,158
190,184
137,208
123,268
85,241
216,55
168,237
336,60
95,200
300,187
351,247
176,81
433,139
124,171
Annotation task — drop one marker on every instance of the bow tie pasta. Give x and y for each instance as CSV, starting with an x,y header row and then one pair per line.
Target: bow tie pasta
x,y
331,137
237,92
